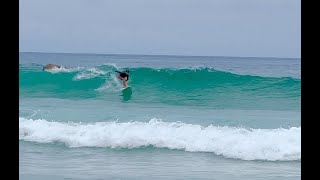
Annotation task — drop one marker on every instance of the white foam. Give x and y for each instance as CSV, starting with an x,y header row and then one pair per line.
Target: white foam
x,y
63,69
254,144
114,65
112,84
89,74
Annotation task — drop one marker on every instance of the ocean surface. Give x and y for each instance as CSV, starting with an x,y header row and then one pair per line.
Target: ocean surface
x,y
183,117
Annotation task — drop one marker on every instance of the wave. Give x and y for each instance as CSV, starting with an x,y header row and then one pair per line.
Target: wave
x,y
230,142
193,86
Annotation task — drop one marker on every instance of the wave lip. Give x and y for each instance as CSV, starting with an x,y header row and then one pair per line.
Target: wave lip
x,y
63,69
238,143
89,74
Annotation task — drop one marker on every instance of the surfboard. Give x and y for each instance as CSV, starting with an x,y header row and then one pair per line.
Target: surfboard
x,y
125,88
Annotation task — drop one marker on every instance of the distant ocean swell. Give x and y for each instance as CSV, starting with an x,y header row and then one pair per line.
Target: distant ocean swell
x,y
238,143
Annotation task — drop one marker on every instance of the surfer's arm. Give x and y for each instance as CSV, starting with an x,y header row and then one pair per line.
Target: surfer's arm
x,y
117,71
127,78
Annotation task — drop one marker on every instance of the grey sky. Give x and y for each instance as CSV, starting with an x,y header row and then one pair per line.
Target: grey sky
x,y
252,28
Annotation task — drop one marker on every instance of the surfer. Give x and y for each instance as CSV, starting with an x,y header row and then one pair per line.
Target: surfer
x,y
124,77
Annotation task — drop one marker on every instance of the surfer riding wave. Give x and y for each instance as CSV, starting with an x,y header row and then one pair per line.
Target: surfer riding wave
x,y
124,77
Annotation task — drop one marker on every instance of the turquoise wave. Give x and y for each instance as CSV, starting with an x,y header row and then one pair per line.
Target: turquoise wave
x,y
200,87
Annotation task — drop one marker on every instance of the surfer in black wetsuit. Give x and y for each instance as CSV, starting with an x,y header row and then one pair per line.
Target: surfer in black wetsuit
x,y
124,77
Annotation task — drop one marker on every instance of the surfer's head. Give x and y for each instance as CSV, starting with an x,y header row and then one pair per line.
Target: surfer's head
x,y
127,71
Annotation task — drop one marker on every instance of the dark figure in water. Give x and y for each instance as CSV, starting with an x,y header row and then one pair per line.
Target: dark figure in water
x,y
50,66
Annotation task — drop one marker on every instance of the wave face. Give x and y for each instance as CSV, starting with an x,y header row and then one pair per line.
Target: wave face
x,y
239,143
198,86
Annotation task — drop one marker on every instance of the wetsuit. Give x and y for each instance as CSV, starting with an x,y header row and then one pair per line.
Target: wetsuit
x,y
123,75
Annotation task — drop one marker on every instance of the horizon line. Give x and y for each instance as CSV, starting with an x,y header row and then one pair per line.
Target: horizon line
x,y
160,55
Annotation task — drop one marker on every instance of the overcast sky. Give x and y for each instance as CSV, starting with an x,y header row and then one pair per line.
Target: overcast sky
x,y
247,28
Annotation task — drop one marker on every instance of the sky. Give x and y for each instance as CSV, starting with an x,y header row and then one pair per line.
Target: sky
x,y
242,28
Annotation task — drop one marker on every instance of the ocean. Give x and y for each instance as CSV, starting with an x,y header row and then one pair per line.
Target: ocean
x,y
183,117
